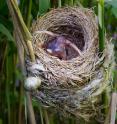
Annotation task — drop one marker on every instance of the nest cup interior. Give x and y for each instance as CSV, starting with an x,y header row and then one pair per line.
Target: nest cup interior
x,y
72,33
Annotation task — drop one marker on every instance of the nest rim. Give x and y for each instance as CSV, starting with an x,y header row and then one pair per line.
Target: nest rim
x,y
89,54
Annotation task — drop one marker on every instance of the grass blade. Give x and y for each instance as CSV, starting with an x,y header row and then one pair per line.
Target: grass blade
x,y
6,32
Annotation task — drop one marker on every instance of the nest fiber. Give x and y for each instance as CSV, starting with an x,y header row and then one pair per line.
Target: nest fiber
x,y
73,86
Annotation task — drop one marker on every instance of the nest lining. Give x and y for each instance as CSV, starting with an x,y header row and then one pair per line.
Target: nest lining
x,y
71,86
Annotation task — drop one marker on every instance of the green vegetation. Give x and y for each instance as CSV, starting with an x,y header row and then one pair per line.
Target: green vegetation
x,y
12,96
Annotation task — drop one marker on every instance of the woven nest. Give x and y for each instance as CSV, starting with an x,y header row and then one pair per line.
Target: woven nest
x,y
71,86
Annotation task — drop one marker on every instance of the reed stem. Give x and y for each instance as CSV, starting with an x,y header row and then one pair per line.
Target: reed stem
x,y
29,13
59,3
101,25
23,30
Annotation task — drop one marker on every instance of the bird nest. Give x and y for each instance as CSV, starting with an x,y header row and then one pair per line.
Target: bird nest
x,y
73,85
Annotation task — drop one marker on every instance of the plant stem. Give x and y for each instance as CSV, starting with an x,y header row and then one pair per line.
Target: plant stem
x,y
71,2
113,108
29,13
30,109
115,80
59,3
7,90
41,114
24,35
20,102
101,25
46,116
20,20
21,26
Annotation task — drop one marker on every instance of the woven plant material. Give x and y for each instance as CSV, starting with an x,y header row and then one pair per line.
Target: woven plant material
x,y
71,86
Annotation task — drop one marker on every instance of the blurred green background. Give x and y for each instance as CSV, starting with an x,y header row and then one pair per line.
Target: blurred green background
x,y
12,99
